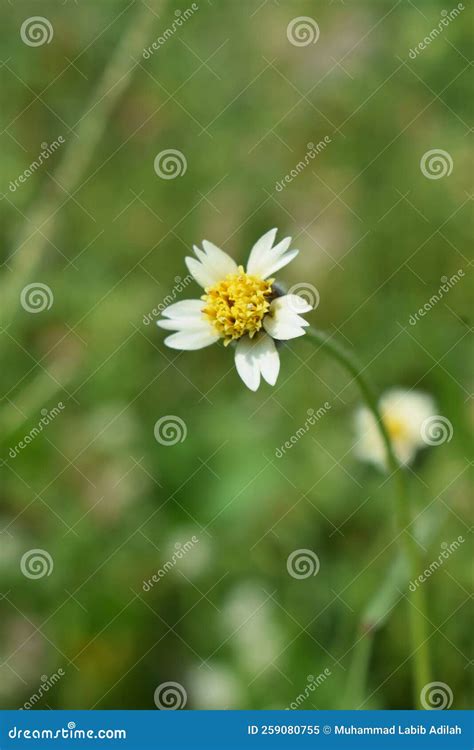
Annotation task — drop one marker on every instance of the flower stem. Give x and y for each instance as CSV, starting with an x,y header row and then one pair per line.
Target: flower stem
x,y
416,599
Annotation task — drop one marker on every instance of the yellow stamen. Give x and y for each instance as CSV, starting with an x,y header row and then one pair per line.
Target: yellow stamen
x,y
396,427
237,304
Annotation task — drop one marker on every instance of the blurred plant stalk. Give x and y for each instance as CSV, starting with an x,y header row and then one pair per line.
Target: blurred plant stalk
x,y
416,599
30,245
41,389
378,610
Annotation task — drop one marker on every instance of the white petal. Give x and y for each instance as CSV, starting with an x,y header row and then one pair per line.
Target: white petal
x,y
202,275
282,322
184,315
409,408
212,266
262,245
219,259
184,309
369,445
246,365
194,330
282,331
255,357
272,266
295,303
269,359
182,324
192,339
265,259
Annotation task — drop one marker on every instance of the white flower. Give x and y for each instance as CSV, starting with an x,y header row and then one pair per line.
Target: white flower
x,y
238,305
214,687
403,413
248,619
196,556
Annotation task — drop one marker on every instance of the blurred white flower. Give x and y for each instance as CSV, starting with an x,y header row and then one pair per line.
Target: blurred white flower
x,y
22,654
403,413
238,305
216,688
248,618
195,558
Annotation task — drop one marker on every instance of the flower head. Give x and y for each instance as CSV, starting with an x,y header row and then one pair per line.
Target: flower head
x,y
403,413
239,305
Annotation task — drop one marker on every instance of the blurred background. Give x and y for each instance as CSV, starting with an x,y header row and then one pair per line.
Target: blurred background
x,y
214,509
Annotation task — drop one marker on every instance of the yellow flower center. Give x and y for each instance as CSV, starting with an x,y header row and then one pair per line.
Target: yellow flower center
x,y
237,304
396,427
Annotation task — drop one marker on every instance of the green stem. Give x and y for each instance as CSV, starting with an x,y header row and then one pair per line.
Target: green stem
x,y
417,603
